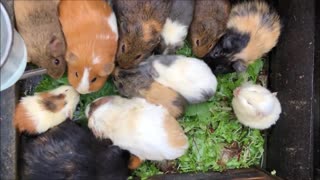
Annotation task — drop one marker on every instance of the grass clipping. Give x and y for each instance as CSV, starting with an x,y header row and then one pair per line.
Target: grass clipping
x,y
217,140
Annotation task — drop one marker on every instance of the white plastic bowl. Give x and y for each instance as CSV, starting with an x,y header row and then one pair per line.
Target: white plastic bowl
x,y
13,52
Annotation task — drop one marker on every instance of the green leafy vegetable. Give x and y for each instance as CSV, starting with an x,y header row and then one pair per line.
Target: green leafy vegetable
x,y
211,126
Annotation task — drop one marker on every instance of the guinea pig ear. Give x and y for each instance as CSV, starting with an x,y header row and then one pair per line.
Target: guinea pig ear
x,y
123,26
71,57
107,69
55,45
239,66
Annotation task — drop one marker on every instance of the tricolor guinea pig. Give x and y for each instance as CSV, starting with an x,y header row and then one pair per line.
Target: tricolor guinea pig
x,y
36,114
140,25
208,25
69,151
176,26
148,131
253,29
255,106
38,23
190,77
138,82
91,33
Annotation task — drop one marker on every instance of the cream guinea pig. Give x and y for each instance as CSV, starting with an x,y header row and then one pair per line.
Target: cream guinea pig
x,y
36,114
255,106
146,130
91,33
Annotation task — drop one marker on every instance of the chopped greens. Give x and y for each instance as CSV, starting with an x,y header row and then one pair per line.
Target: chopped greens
x,y
217,141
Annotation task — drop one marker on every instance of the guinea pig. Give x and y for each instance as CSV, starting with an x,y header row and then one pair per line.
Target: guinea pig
x,y
255,106
208,25
140,26
176,26
92,39
36,114
138,82
253,29
190,77
69,151
38,23
148,131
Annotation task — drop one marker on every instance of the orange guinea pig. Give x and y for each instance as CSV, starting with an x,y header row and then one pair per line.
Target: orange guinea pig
x,y
91,33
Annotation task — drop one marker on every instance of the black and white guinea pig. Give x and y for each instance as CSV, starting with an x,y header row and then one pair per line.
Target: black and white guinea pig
x,y
176,27
69,151
190,77
255,106
253,30
42,111
138,82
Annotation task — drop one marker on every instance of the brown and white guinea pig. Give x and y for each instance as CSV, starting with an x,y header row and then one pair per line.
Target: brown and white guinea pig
x,y
38,23
208,25
140,25
253,29
176,27
69,151
36,114
255,106
148,131
190,77
91,33
138,82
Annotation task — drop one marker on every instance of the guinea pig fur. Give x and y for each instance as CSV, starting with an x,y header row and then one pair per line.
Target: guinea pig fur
x,y
92,39
36,114
140,25
38,23
255,106
190,77
69,151
176,26
253,29
148,131
138,82
208,25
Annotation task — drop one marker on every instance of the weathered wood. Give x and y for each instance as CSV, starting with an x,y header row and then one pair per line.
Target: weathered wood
x,y
8,140
290,142
237,174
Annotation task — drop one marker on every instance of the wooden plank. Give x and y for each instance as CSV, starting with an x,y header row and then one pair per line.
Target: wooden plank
x,y
290,142
237,174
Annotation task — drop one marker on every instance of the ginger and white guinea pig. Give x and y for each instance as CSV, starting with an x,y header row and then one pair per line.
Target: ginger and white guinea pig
x,y
91,32
148,131
255,106
253,30
190,77
176,27
208,25
42,111
140,25
38,23
69,151
138,82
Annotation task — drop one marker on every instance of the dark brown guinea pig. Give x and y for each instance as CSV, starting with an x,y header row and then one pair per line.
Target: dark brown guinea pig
x,y
140,24
38,23
208,25
138,82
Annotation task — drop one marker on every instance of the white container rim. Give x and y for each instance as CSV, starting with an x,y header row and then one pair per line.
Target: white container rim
x,y
9,43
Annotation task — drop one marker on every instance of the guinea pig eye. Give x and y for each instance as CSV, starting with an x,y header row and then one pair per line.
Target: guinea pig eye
x,y
56,61
137,57
77,74
123,48
93,80
197,42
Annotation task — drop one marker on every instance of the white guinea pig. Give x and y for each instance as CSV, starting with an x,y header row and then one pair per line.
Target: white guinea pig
x,y
146,130
36,114
255,106
190,77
